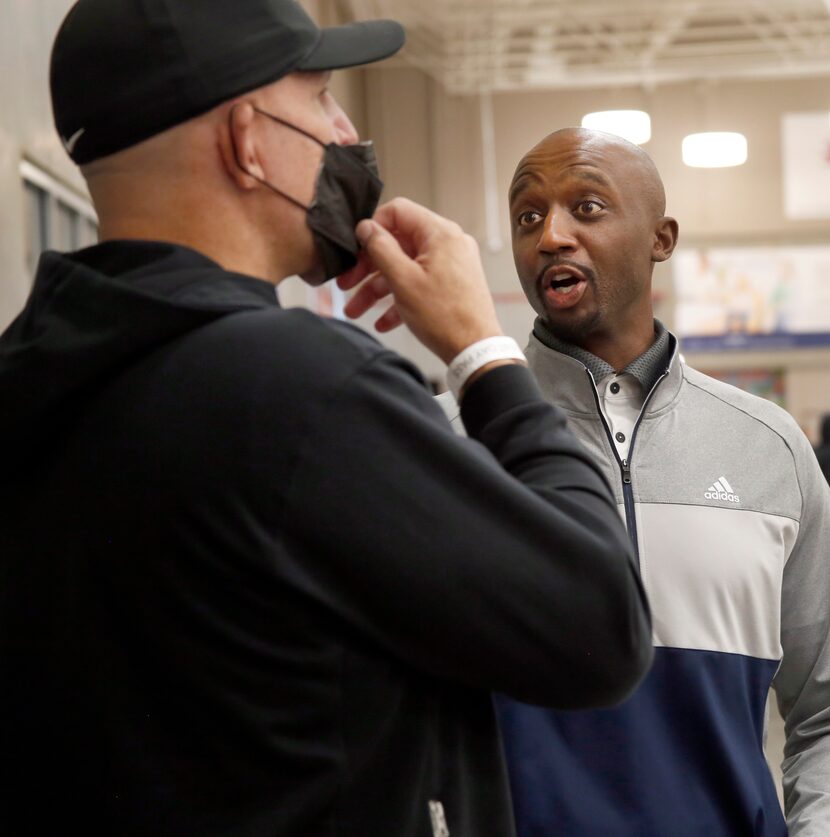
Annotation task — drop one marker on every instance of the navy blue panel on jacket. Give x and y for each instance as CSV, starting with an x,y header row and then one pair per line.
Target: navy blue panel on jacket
x,y
683,757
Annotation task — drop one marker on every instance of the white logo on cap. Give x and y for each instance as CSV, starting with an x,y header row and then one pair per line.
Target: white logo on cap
x,y
70,144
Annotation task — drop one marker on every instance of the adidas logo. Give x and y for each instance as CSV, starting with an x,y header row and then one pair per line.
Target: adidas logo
x,y
722,490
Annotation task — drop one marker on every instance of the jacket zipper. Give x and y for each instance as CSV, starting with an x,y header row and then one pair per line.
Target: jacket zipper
x,y
625,464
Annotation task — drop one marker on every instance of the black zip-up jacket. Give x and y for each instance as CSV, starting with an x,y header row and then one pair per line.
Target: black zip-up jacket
x,y
251,582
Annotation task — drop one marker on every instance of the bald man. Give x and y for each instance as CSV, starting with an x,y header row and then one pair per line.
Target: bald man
x,y
727,511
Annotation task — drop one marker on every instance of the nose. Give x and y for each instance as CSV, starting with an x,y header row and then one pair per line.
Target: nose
x,y
558,232
345,132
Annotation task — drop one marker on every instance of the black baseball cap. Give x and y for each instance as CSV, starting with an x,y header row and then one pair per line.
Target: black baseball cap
x,y
125,70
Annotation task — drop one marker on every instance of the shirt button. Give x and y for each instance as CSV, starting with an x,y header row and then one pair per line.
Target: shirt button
x,y
615,388
620,437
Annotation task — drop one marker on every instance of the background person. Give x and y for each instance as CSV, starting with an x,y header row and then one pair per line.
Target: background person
x,y
728,512
823,447
252,583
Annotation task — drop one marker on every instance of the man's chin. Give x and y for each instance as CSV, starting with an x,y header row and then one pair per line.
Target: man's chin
x,y
571,326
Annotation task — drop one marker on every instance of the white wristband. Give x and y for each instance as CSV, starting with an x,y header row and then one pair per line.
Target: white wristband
x,y
463,365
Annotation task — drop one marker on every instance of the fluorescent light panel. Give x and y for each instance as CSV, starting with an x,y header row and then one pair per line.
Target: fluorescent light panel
x,y
633,125
714,150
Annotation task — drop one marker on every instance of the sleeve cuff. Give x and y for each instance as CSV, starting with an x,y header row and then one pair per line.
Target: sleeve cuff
x,y
496,392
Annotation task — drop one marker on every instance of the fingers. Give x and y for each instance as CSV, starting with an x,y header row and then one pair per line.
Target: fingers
x,y
407,220
419,258
384,251
390,320
370,293
355,275
373,290
409,224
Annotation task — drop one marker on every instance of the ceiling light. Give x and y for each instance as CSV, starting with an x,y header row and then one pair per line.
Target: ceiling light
x,y
714,150
633,125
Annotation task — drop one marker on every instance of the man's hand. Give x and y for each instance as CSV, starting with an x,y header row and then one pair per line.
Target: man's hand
x,y
432,270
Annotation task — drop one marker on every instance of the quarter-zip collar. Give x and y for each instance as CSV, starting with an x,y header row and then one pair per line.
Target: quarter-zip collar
x,y
564,381
647,368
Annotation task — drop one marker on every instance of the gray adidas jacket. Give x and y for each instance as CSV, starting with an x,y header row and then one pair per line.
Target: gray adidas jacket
x,y
730,514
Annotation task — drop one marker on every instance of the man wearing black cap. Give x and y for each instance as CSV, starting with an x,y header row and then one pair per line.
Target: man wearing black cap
x,y
251,583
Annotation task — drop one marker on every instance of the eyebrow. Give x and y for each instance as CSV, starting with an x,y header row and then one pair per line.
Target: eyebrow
x,y
593,176
522,180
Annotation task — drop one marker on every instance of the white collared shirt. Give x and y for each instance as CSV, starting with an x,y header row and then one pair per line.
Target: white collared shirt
x,y
621,398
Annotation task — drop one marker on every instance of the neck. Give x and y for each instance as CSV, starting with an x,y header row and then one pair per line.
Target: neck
x,y
617,347
234,248
618,350
179,186
204,215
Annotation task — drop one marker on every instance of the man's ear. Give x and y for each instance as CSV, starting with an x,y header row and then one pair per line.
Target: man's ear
x,y
238,147
665,239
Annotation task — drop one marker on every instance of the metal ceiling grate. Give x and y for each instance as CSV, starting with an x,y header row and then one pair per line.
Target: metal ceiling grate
x,y
473,46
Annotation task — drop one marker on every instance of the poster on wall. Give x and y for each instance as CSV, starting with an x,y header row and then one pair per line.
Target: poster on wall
x,y
805,157
752,297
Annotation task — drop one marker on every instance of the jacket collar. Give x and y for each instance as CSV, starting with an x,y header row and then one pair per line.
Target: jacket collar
x,y
168,272
567,382
647,368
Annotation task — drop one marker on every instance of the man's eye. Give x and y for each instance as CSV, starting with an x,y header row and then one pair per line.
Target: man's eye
x,y
528,217
589,207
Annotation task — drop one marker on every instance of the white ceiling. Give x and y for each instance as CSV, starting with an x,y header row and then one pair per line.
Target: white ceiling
x,y
473,46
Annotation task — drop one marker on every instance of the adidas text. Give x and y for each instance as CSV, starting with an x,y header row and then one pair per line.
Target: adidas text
x,y
722,495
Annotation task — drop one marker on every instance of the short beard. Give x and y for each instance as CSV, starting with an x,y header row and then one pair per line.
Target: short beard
x,y
576,331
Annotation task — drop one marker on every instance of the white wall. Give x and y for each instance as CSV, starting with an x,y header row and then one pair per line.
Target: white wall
x,y
26,131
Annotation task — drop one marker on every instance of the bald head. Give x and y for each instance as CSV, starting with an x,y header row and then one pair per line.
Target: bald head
x,y
635,168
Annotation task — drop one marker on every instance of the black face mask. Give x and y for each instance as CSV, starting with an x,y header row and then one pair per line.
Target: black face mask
x,y
347,191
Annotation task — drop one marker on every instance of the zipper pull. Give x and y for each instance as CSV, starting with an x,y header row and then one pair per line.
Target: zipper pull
x,y
626,472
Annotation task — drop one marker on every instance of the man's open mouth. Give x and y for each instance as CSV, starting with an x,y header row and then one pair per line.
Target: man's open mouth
x,y
562,286
562,283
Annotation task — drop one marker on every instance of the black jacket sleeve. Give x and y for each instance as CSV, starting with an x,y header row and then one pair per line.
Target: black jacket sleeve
x,y
497,561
